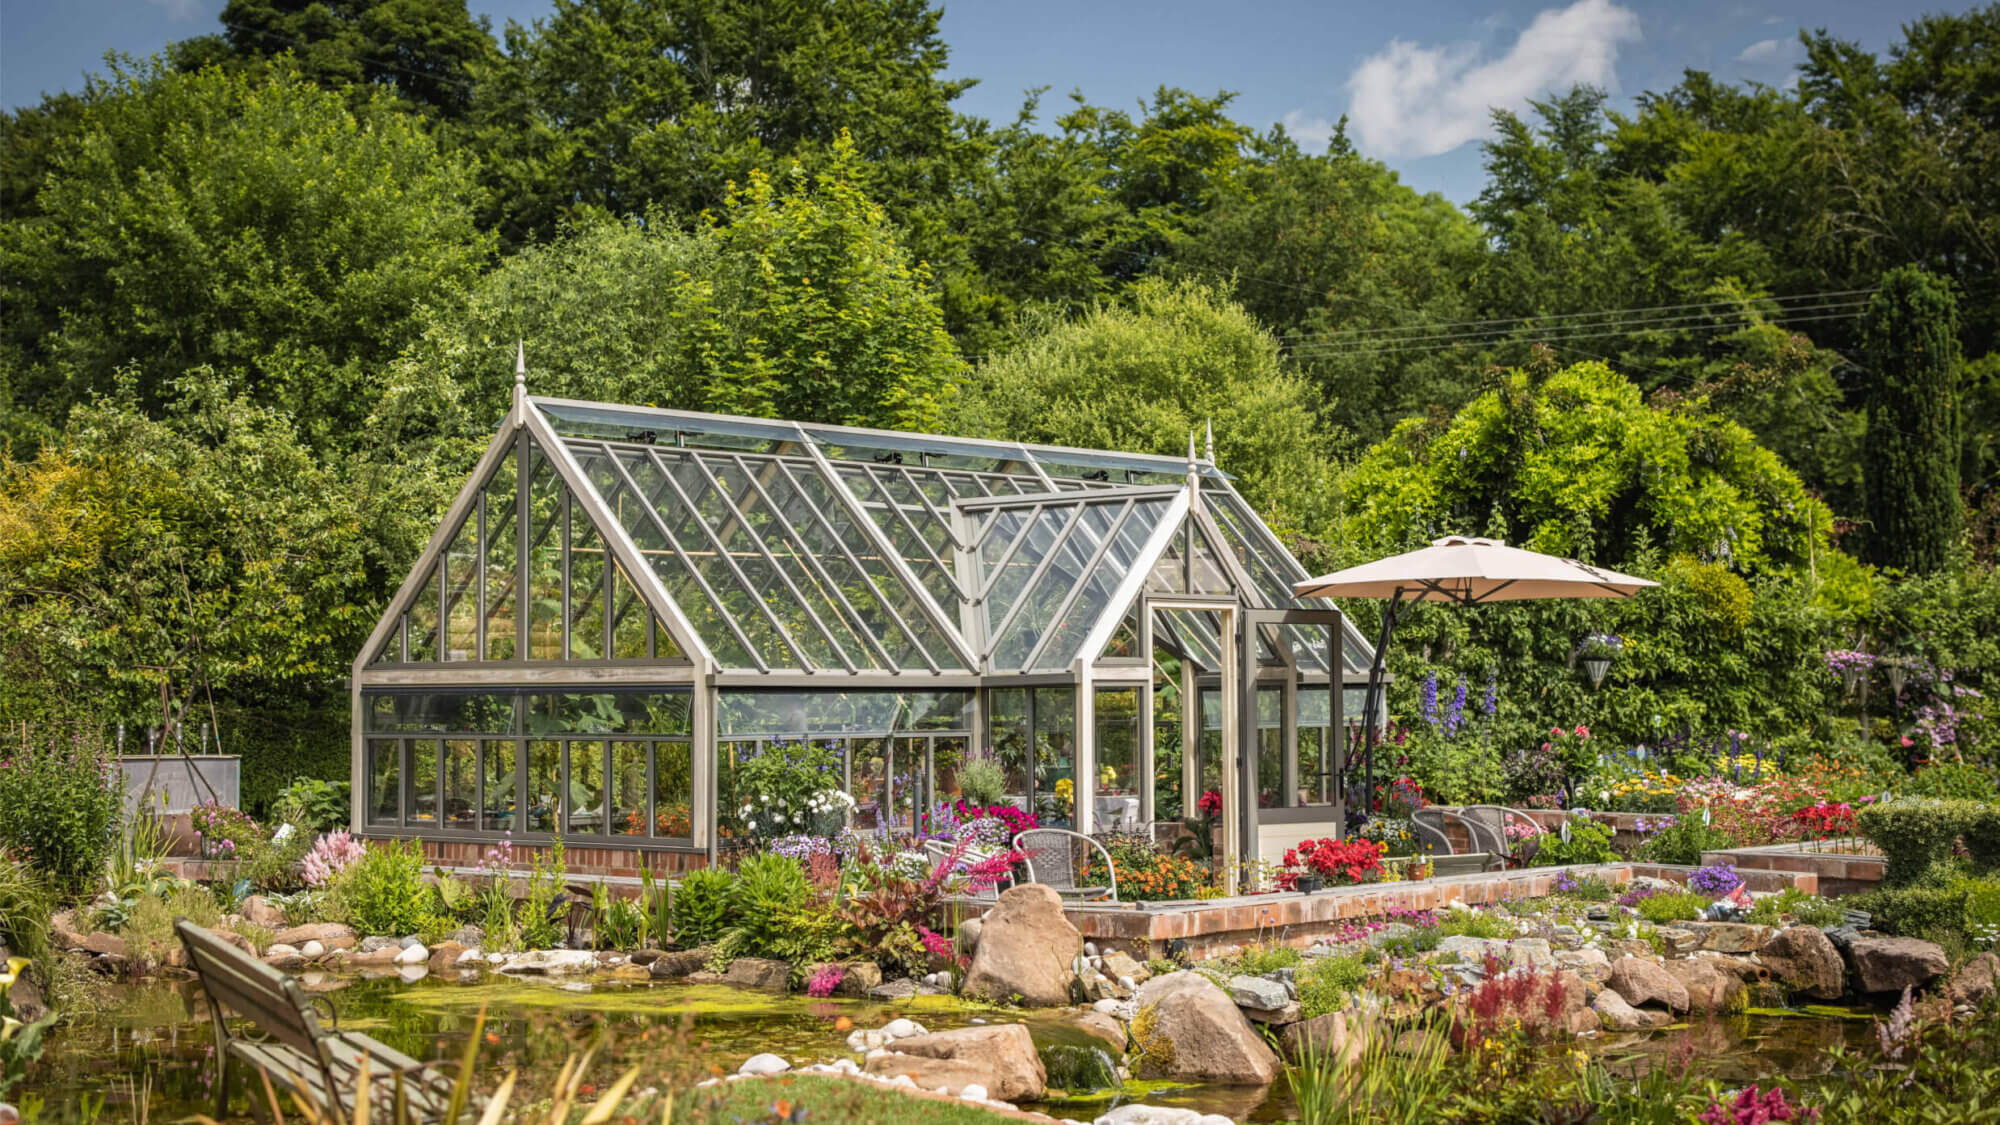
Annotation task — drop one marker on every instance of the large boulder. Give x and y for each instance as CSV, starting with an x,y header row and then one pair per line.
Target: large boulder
x,y
1891,964
1709,987
1641,982
1975,981
759,972
1331,1036
1104,1027
259,912
330,935
1000,1057
1188,1029
1734,937
1026,950
1258,993
1617,1015
673,964
1805,961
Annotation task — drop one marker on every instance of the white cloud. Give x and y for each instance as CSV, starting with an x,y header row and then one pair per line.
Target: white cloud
x,y
1769,52
1312,133
1411,100
178,9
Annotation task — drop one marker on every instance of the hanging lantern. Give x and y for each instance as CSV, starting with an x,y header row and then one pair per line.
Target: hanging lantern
x,y
1898,675
1850,678
1595,667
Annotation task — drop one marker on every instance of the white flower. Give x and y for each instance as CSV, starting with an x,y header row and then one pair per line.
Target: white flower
x,y
750,824
1604,796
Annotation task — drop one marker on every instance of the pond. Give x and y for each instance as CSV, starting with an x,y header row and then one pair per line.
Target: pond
x,y
152,1042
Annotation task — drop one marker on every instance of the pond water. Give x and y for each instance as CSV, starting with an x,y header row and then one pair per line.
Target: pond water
x,y
152,1043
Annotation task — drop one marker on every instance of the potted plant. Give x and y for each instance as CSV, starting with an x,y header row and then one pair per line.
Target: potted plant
x,y
1597,652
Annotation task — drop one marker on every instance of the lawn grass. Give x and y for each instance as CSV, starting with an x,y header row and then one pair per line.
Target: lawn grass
x,y
829,1100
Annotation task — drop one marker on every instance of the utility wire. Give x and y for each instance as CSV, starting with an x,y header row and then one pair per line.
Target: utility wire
x,y
1588,332
1658,323
1555,318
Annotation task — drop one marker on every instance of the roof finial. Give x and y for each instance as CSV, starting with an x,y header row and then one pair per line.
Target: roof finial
x,y
1194,467
1210,424
520,370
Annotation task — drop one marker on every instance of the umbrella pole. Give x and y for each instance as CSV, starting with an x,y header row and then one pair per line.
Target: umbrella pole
x,y
1376,669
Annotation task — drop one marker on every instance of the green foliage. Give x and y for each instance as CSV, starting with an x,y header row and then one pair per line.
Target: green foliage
x,y
766,902
981,783
1589,842
1949,1077
1980,832
1592,888
149,929
1944,909
1672,907
427,51
19,1045
1328,983
26,904
1256,960
544,922
1801,907
384,891
247,222
1683,841
701,905
60,807
1915,835
1911,349
1948,780
1474,923
1145,375
770,793
323,806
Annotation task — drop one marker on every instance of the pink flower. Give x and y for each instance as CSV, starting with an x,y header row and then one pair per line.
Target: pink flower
x,y
824,981
1545,746
1582,731
1555,732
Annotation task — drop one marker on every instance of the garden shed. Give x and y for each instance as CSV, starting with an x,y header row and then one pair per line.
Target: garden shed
x,y
625,604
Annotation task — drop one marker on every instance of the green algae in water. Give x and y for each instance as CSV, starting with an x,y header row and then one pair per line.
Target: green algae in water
x,y
1079,1069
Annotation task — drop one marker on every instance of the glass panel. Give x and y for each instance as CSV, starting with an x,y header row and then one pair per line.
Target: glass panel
x,y
1096,588
1167,801
440,712
423,618
584,789
628,625
906,783
385,795
1055,756
947,755
1315,761
497,762
812,614
868,774
545,794
1116,717
610,712
461,593
1124,643
628,788
1270,748
1169,574
673,790
501,551
545,539
423,782
461,783
825,712
1008,708
1048,523
586,587
1208,761
1209,577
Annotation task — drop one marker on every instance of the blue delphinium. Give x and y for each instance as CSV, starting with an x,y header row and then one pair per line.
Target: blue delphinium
x,y
1455,718
1430,700
1491,704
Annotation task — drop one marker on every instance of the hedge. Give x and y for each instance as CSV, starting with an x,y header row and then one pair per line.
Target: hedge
x,y
1917,836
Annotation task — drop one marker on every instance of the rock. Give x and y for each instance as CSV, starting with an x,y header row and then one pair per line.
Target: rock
x,y
408,940
285,962
1026,950
1390,931
967,938
62,930
1160,1115
231,937
1120,967
1005,1053
411,974
1640,982
444,955
1258,993
25,998
763,1065
902,988
1187,1028
259,912
374,958
1679,940
678,963
759,972
551,961
376,941
1709,988
628,972
413,955
1805,961
104,944
280,949
1291,1013
858,978
471,957
1099,1025
313,950
468,935
1530,952
1976,980
1590,964
903,1029
1096,986
1471,949
1331,1036
1734,937
643,956
332,935
949,1076
1891,964
1620,1016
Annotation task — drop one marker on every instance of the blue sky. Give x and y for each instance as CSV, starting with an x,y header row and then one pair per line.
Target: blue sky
x,y
1415,78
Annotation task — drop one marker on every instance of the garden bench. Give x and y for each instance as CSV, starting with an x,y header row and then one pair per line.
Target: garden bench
x,y
1056,855
318,1064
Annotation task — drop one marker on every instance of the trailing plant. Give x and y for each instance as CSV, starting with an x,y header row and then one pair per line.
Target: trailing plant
x,y
700,906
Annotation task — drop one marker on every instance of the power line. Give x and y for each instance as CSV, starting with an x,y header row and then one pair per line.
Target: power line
x,y
1553,318
1581,332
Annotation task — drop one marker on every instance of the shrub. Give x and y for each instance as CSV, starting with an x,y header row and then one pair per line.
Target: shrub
x,y
1256,960
1915,836
1934,912
701,906
1682,841
1951,781
26,902
322,806
1673,906
1589,842
1145,872
981,782
384,891
1326,984
768,889
1981,832
60,809
1805,909
1474,923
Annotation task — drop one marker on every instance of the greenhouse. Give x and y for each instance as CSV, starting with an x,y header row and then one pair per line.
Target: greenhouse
x,y
625,604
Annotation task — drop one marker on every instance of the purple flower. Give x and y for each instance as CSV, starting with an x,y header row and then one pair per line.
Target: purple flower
x,y
1716,880
1491,704
1430,699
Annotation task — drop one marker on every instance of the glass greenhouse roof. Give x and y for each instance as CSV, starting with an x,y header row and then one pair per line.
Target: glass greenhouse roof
x,y
815,549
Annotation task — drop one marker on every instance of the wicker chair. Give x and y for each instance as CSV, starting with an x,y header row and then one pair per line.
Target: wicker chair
x,y
1431,835
1495,818
1056,856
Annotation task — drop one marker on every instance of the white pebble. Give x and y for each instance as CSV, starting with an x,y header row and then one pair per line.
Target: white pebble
x,y
763,1064
973,1092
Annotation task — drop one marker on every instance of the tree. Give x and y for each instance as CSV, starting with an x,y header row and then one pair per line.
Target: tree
x,y
1143,375
628,106
246,222
1911,344
427,51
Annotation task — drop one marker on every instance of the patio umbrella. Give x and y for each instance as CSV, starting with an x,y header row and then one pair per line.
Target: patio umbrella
x,y
1465,571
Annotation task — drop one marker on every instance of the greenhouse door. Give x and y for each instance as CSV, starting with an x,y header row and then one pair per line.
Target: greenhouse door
x,y
1289,786
1215,653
